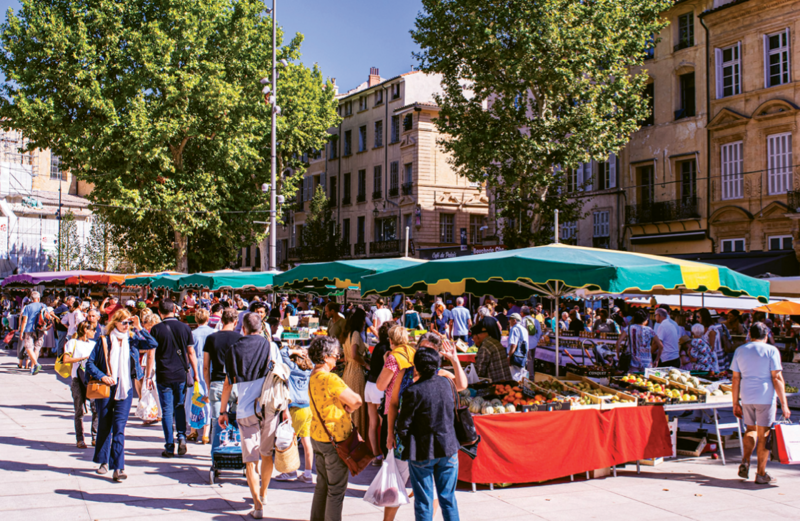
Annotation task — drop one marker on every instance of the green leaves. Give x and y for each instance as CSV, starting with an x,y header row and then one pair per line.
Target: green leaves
x,y
530,84
157,103
320,241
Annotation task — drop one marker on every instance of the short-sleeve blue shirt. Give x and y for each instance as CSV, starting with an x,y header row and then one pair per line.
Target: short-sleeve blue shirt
x,y
32,310
517,335
461,317
755,362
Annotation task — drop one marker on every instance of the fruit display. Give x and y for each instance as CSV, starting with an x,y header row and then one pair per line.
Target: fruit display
x,y
646,396
478,405
675,375
791,388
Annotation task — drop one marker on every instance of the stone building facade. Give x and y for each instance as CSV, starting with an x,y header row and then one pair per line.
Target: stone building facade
x,y
388,180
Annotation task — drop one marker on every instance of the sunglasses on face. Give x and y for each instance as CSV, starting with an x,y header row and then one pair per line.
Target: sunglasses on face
x,y
126,323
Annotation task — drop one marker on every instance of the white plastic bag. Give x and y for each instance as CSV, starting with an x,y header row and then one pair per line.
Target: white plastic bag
x,y
388,489
149,408
284,436
472,374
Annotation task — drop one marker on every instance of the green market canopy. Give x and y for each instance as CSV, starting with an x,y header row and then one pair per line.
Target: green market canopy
x,y
148,278
558,269
231,280
341,274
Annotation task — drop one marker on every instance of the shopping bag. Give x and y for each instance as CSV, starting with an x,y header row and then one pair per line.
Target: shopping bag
x,y
63,370
284,435
149,408
287,460
198,417
788,441
388,489
472,374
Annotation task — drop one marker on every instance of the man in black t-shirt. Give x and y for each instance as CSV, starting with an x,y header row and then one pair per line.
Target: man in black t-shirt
x,y
214,352
173,358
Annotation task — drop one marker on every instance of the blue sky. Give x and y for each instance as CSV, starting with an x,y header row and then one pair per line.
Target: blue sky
x,y
345,37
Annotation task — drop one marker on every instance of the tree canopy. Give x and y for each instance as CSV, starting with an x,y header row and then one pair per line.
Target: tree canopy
x,y
533,88
158,104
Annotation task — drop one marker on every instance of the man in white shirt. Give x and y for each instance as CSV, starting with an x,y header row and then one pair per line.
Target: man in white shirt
x,y
668,333
382,314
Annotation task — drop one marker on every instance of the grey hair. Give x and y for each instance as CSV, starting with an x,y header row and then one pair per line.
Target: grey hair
x,y
698,330
484,311
662,312
525,311
35,295
460,301
432,338
321,348
251,323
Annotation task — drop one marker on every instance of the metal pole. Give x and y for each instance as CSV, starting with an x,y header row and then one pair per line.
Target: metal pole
x,y
407,230
555,233
273,207
60,179
557,321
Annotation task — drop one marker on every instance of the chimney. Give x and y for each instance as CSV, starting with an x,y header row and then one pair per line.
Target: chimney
x,y
335,87
374,77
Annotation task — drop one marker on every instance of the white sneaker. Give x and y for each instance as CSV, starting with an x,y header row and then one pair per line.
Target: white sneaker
x,y
305,479
257,514
284,477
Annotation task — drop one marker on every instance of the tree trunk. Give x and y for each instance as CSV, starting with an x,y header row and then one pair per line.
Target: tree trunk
x,y
181,253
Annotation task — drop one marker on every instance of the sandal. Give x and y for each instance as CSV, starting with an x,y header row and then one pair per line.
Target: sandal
x,y
191,437
205,440
81,444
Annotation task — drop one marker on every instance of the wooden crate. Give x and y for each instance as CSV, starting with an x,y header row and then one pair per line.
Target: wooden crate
x,y
596,402
607,390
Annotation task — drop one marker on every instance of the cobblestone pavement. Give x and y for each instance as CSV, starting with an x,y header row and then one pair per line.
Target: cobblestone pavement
x,y
43,476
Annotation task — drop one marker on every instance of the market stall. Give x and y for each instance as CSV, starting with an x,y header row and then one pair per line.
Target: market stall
x,y
262,280
341,274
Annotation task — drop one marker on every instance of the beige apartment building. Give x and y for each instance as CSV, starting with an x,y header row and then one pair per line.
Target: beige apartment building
x,y
387,179
33,186
710,175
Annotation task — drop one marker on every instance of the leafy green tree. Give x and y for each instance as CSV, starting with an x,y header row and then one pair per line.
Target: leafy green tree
x,y
101,253
320,241
68,255
533,88
158,104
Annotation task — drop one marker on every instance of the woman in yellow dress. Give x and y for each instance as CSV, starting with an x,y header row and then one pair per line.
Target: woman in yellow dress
x,y
354,352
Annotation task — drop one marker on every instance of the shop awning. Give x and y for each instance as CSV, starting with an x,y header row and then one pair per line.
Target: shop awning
x,y
43,277
341,274
752,263
228,280
146,279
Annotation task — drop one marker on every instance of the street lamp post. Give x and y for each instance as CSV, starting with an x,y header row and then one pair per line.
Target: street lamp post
x,y
273,209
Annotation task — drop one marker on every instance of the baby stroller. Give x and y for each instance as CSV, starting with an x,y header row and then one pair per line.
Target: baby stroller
x,y
227,451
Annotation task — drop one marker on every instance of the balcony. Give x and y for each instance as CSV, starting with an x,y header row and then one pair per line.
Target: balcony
x,y
392,247
299,206
663,211
378,194
601,242
793,201
360,249
393,191
407,188
346,200
361,198
344,251
294,253
682,44
332,202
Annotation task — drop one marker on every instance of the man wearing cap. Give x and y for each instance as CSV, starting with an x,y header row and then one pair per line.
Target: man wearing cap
x,y
492,360
112,308
517,346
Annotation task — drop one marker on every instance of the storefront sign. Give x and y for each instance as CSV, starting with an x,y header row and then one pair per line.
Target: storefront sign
x,y
442,253
477,250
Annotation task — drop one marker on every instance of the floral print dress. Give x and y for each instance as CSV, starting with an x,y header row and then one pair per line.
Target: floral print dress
x,y
704,354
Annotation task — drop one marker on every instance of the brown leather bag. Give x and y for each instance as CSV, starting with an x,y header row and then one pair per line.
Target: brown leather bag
x,y
96,389
354,451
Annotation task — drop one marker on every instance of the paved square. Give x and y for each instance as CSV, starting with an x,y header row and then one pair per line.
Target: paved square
x,y
43,476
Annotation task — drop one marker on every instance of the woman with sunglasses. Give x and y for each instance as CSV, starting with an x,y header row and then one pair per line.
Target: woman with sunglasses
x,y
115,362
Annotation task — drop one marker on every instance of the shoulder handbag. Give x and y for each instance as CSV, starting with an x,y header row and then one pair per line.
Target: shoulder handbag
x,y
464,424
354,451
96,389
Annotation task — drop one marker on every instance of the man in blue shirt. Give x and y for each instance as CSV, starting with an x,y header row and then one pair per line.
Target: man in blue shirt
x,y
61,330
756,380
517,346
460,320
31,339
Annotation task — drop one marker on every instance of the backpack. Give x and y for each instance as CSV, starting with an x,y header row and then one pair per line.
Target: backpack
x,y
44,322
530,325
274,395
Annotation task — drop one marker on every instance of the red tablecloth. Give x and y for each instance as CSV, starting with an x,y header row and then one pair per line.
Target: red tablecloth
x,y
539,446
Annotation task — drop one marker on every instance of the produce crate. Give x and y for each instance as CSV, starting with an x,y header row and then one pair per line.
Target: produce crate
x,y
617,381
530,390
596,403
701,394
607,403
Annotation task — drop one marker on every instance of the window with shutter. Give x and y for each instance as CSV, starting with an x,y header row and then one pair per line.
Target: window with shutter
x,y
732,177
776,58
728,71
779,163
588,177
323,180
379,133
601,225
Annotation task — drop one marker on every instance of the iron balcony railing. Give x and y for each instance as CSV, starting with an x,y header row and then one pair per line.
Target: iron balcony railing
x,y
360,248
663,211
407,187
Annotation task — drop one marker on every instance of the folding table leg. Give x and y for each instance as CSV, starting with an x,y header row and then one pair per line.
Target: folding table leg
x,y
587,474
638,467
491,486
719,436
615,470
474,488
572,477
